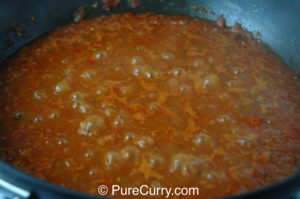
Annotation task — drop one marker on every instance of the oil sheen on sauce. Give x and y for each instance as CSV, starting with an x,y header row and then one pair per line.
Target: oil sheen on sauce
x,y
166,101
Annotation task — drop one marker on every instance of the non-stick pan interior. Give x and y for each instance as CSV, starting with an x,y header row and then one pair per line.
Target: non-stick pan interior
x,y
275,22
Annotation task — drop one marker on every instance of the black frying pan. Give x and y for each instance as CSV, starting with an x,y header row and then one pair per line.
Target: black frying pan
x,y
276,22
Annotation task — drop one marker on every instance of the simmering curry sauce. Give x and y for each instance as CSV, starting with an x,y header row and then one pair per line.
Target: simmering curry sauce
x,y
166,101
